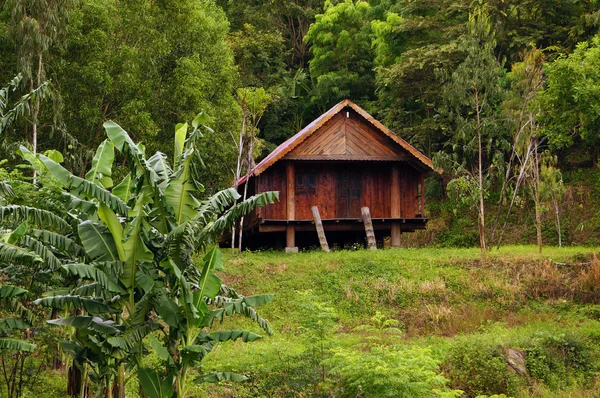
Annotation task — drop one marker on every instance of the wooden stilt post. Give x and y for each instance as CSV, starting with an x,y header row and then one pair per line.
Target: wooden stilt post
x,y
366,216
290,232
396,212
320,230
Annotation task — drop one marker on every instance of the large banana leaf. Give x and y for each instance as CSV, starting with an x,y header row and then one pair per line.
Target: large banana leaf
x,y
228,335
209,284
215,377
16,234
15,214
14,324
133,336
153,385
82,186
226,221
91,272
87,322
124,144
93,191
215,205
161,351
98,241
81,205
196,352
101,171
60,242
48,257
16,345
134,247
179,193
6,190
197,232
9,292
180,135
158,163
113,224
123,190
11,254
169,311
91,305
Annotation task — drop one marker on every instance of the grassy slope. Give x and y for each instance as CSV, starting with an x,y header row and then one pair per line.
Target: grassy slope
x,y
440,297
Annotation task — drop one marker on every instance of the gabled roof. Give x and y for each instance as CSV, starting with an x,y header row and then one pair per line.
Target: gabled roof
x,y
307,131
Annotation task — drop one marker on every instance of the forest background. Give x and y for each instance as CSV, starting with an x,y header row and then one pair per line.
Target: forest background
x,y
503,95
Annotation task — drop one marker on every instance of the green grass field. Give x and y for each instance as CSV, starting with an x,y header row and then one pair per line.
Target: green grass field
x,y
410,323
358,322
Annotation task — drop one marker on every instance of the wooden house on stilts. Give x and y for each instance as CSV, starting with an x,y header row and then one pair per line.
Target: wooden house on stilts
x,y
342,162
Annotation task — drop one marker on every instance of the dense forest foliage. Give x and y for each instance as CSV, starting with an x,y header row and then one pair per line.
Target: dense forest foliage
x,y
501,94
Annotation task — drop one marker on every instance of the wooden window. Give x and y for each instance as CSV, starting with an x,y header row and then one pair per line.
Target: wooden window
x,y
306,184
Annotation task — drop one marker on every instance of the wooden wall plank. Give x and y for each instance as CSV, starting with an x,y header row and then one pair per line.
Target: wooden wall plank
x,y
395,182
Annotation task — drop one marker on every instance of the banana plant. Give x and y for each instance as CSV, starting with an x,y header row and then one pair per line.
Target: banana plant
x,y
15,346
198,299
140,236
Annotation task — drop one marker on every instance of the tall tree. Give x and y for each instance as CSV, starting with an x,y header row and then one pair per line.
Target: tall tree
x,y
472,94
569,103
148,65
254,102
342,63
521,112
37,27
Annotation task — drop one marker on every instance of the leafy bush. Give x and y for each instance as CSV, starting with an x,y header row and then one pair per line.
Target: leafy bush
x,y
382,371
560,360
462,233
478,367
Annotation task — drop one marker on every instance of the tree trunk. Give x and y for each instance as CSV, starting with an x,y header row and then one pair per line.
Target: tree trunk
x,y
75,381
482,244
536,184
238,172
538,221
35,112
249,163
556,213
118,387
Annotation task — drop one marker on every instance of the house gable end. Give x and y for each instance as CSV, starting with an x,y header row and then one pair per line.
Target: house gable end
x,y
347,136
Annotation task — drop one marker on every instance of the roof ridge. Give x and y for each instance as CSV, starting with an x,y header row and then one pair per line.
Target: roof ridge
x,y
288,145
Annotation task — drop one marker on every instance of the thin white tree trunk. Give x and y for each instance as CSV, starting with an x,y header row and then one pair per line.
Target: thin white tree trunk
x,y
35,112
556,213
482,243
238,171
517,186
250,150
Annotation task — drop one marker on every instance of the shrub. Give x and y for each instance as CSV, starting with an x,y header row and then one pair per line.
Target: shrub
x,y
478,367
560,360
382,371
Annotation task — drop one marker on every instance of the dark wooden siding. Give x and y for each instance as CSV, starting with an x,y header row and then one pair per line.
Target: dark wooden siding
x,y
274,180
340,189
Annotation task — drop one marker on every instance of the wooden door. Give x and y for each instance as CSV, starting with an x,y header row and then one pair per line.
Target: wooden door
x,y
348,194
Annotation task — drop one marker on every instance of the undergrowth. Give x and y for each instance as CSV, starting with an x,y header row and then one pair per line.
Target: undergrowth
x,y
419,322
